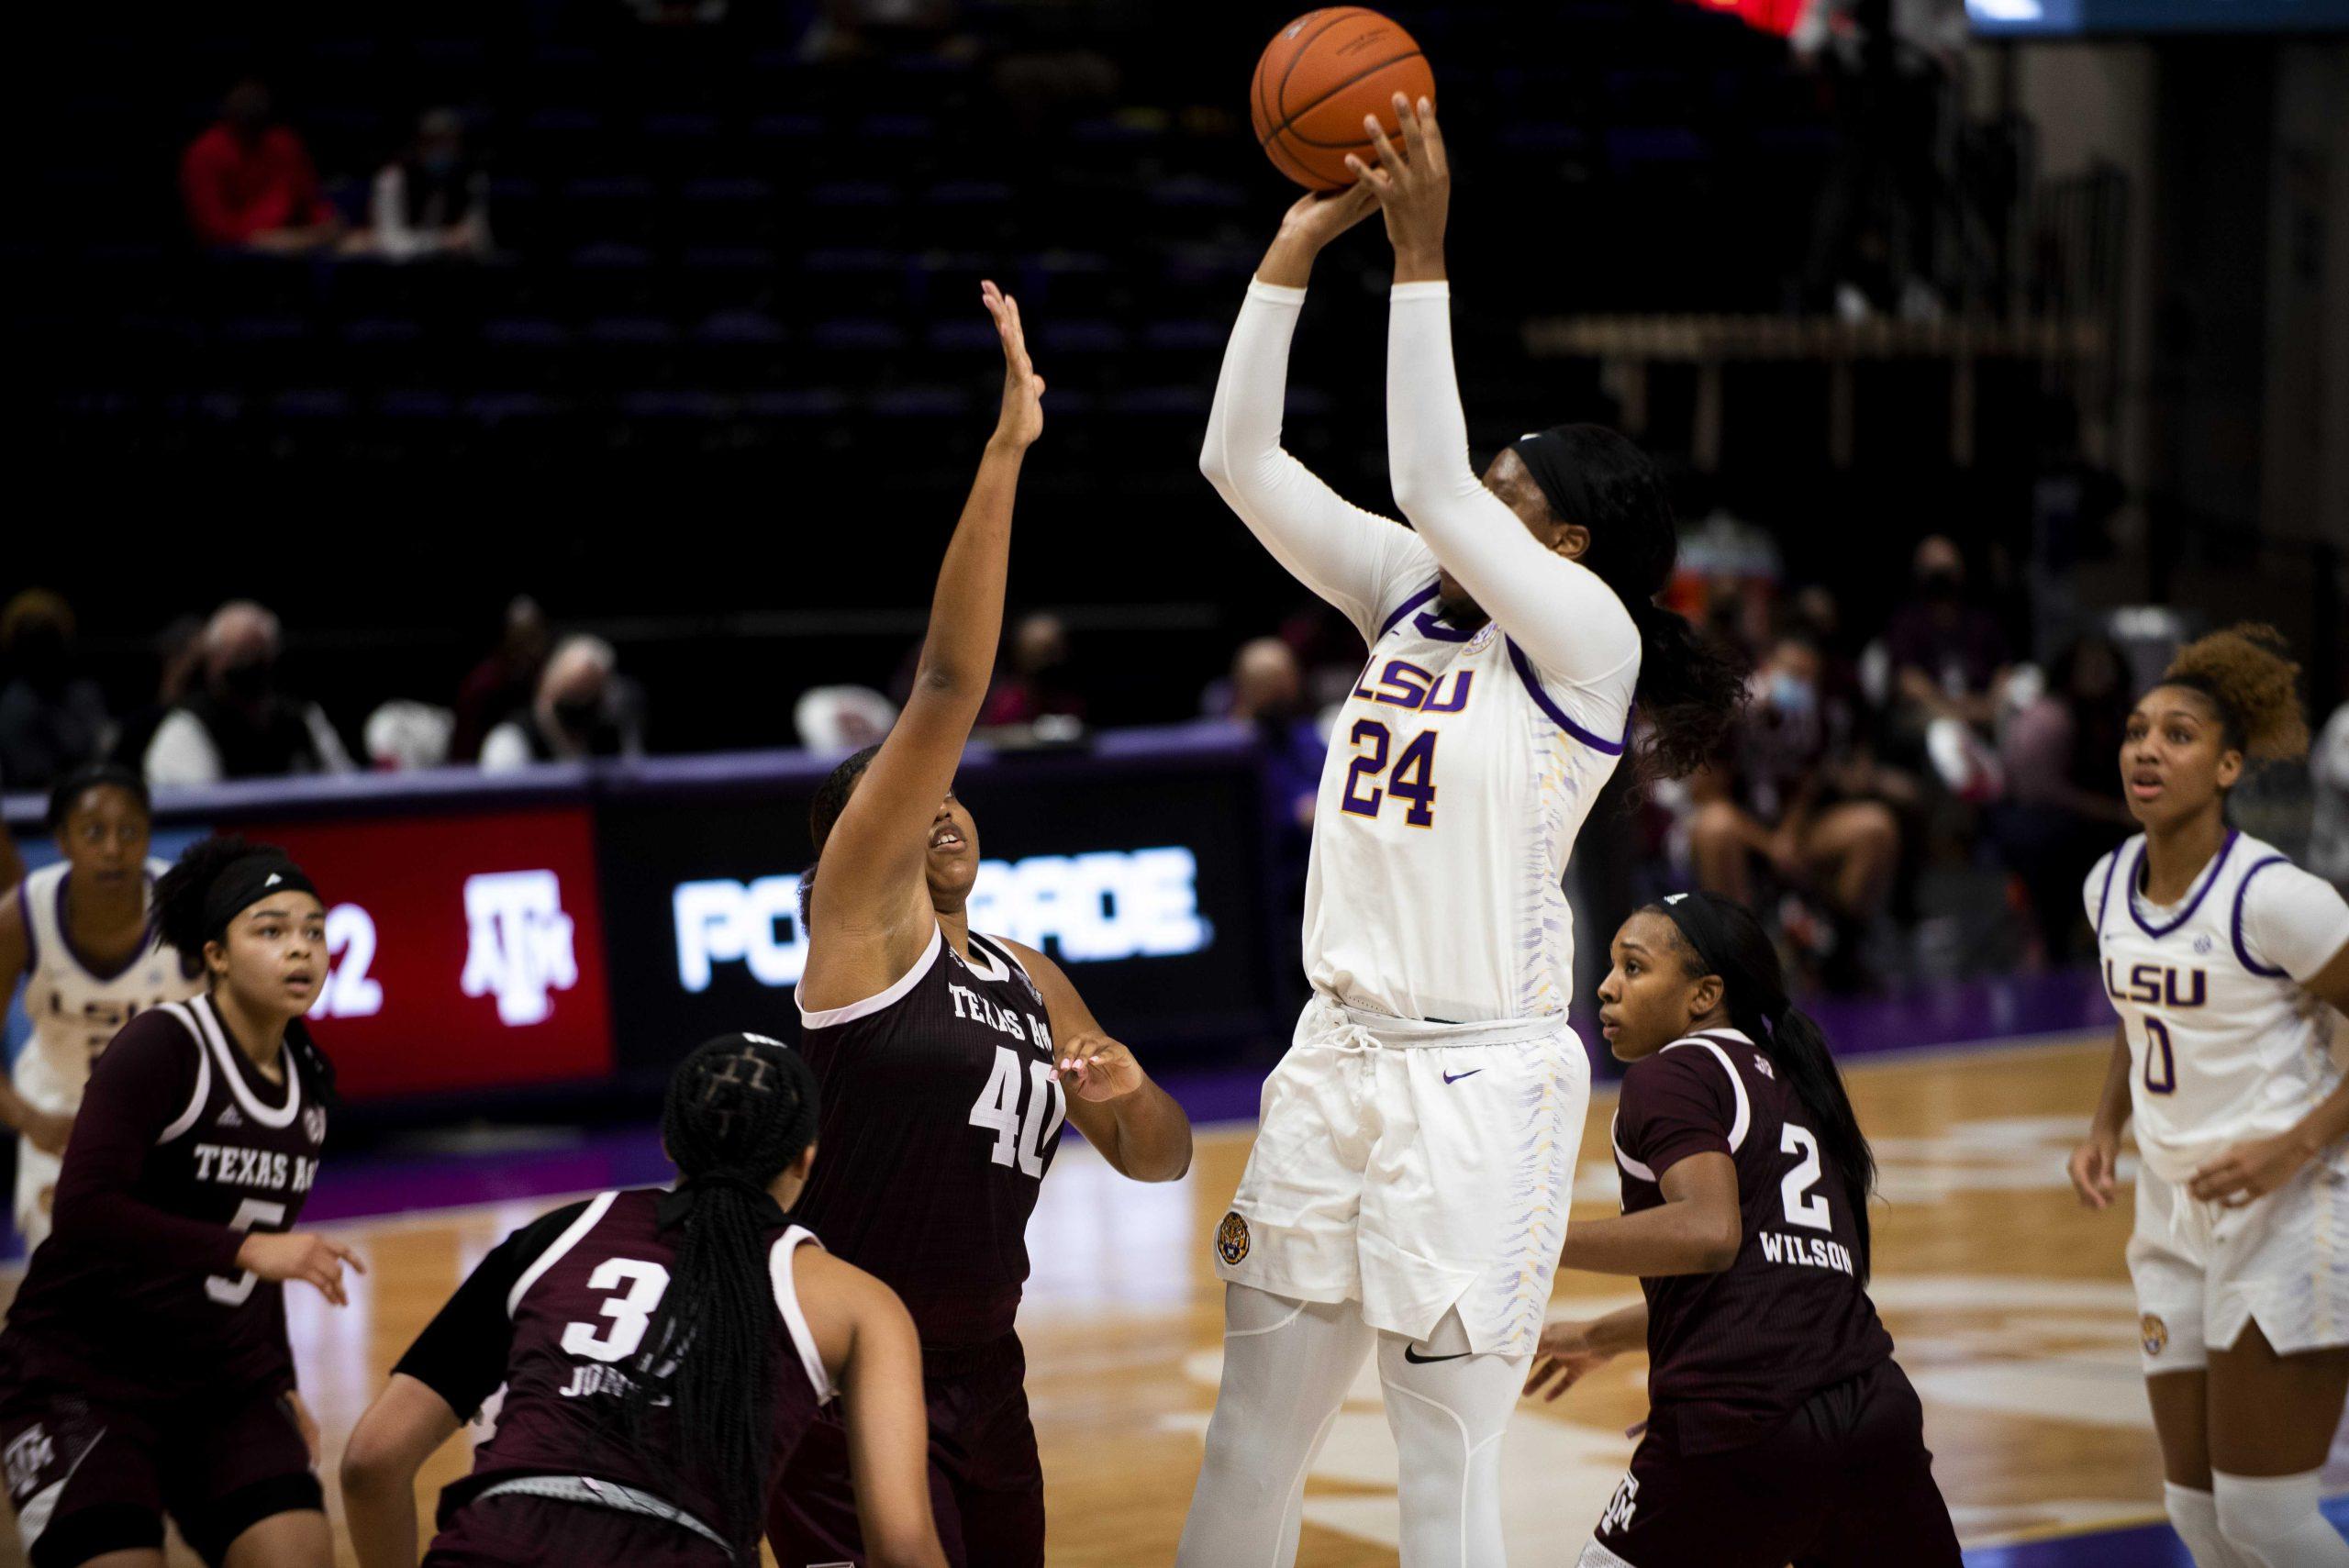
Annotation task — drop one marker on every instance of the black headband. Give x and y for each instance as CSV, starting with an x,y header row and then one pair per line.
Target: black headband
x,y
1701,926
245,882
1543,453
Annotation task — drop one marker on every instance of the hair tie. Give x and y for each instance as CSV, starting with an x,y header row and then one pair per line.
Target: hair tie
x,y
674,1205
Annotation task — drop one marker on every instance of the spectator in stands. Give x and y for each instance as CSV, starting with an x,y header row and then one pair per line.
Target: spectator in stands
x,y
249,183
1267,692
2062,809
53,717
582,709
238,725
179,661
1036,684
2329,829
1796,797
1949,655
432,200
505,682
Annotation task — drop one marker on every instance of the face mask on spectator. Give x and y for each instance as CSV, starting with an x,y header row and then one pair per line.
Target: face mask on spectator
x,y
1792,696
1942,585
251,680
578,717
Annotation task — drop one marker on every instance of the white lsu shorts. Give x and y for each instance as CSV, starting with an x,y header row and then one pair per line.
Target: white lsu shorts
x,y
1415,1168
2202,1272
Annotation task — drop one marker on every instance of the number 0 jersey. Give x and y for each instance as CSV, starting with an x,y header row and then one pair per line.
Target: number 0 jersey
x,y
74,1008
2224,1042
1457,778
941,1115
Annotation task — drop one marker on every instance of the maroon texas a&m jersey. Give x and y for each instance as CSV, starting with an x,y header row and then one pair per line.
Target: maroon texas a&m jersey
x,y
557,1315
1733,1355
941,1115
180,1147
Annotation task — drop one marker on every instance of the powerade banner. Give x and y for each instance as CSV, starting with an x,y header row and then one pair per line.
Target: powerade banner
x,y
2062,16
1145,886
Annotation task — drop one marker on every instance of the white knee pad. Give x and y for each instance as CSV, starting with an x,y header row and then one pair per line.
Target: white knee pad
x,y
1448,1412
2272,1521
2194,1516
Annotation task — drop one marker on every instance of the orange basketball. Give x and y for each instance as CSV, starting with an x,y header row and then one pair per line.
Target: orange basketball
x,y
1316,81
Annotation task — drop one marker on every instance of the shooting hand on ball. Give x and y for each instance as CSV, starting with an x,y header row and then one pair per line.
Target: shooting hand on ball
x,y
1413,186
1311,223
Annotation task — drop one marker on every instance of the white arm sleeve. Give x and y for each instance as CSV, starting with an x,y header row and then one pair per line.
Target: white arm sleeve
x,y
181,752
1568,622
2291,920
1360,561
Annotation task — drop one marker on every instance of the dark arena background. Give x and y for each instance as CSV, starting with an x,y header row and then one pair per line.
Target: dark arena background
x,y
560,424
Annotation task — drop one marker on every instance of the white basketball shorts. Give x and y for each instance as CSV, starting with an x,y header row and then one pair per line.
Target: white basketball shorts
x,y
2202,1272
1414,1168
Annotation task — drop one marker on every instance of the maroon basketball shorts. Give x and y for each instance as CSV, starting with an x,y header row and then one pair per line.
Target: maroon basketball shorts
x,y
987,1485
1846,1483
89,1477
545,1532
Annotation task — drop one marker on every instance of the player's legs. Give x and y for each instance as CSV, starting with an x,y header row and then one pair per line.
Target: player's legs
x,y
283,1540
2272,1420
81,1477
2181,1403
1287,1367
1721,840
1448,1408
1851,850
544,1532
2166,1269
991,1465
1750,1507
811,1518
237,1478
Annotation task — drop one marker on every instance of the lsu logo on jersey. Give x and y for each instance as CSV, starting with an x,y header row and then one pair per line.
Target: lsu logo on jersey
x,y
2159,985
1231,1237
1406,685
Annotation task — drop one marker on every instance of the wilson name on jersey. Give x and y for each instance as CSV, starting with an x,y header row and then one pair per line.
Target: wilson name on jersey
x,y
941,1117
1450,800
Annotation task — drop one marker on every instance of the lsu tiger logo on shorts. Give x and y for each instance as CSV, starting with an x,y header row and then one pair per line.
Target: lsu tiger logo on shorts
x,y
2155,1333
1231,1237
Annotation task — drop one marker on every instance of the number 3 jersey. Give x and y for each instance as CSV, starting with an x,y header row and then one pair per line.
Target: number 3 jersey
x,y
941,1115
1457,779
545,1335
2224,1042
180,1147
1733,1355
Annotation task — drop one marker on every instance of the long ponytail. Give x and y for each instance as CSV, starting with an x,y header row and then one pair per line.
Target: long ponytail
x,y
1723,938
740,1110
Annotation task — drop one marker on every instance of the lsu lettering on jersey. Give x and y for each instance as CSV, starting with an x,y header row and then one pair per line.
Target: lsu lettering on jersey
x,y
75,1009
1457,777
2224,1042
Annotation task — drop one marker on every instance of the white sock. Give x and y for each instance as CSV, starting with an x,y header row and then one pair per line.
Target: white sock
x,y
1448,1415
1287,1367
2272,1521
2194,1516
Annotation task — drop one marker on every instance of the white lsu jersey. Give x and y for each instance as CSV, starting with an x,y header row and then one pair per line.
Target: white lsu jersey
x,y
1456,780
75,1010
2224,1042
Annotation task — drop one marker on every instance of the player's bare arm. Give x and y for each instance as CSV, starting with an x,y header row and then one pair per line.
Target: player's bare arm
x,y
1698,1229
47,1130
2250,1171
1135,1124
868,1345
405,1425
1571,1349
2095,1164
871,902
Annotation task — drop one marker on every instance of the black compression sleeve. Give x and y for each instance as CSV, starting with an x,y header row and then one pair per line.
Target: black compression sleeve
x,y
462,1354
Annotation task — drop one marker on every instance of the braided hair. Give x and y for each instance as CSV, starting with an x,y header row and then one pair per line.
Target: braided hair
x,y
740,1111
1720,936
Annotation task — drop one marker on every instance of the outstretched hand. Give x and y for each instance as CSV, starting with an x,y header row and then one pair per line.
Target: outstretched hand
x,y
1023,390
1413,187
1094,1067
1568,1353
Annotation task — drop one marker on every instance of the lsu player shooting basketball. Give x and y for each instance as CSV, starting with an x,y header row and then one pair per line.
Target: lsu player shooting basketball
x,y
948,1061
1779,1427
2226,963
1409,1187
82,934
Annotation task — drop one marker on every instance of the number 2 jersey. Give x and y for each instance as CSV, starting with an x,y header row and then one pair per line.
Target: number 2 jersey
x,y
180,1147
2224,1042
556,1316
1733,1355
941,1115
